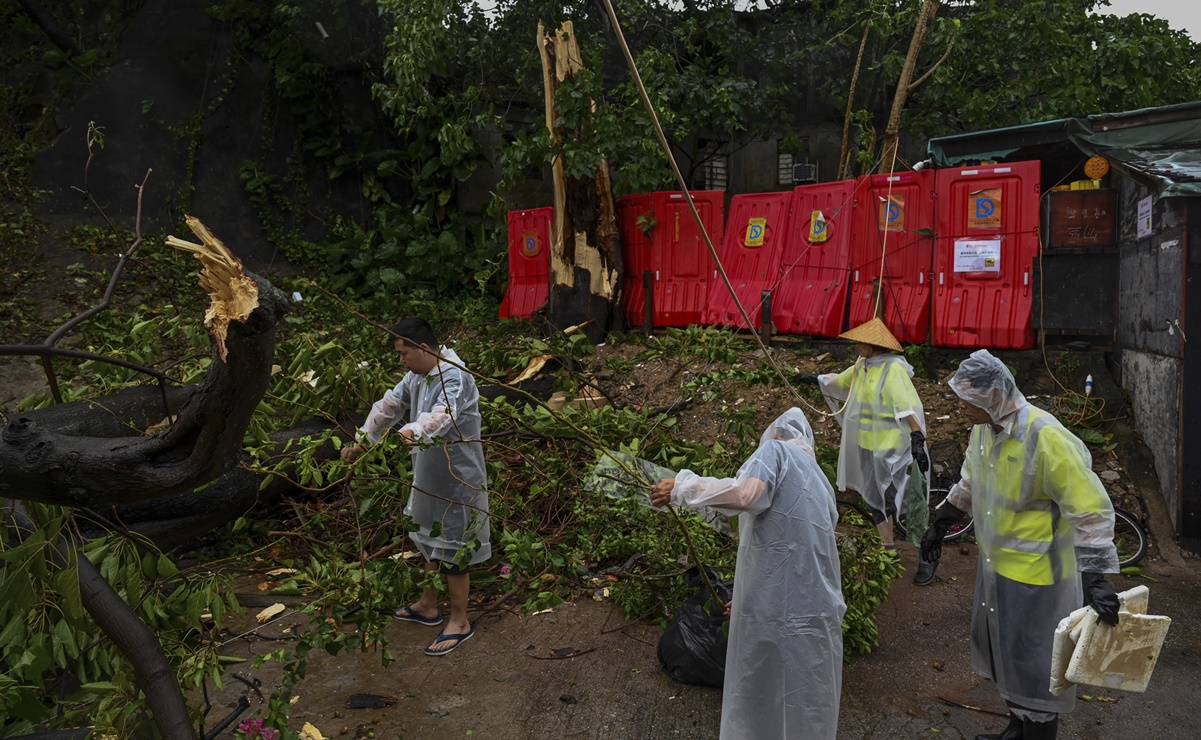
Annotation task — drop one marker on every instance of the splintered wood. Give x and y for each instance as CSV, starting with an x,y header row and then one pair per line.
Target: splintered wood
x,y
233,295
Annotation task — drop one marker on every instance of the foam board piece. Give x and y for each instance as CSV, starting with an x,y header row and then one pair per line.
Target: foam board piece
x,y
1088,651
1121,657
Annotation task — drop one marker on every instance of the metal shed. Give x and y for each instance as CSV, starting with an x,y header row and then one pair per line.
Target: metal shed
x,y
1136,293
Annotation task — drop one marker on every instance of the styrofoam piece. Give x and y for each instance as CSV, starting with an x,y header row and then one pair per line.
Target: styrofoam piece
x,y
1120,657
1088,651
1135,600
1062,647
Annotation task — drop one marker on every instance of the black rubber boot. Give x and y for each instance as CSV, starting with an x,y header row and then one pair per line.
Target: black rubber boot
x,y
925,571
1040,730
1013,732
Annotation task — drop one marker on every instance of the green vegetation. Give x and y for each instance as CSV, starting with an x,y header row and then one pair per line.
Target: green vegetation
x,y
55,665
551,538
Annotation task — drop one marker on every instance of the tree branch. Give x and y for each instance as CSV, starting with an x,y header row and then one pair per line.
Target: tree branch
x,y
926,75
152,673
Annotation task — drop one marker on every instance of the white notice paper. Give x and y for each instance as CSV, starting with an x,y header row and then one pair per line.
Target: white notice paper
x,y
1144,217
977,255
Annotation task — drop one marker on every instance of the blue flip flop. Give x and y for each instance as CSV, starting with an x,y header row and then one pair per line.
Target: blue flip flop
x,y
406,614
458,638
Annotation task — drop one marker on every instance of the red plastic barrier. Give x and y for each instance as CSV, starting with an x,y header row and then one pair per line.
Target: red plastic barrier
x,y
683,264
750,252
983,260
669,244
529,262
811,293
890,211
637,251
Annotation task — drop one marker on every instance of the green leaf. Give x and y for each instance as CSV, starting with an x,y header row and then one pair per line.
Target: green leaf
x,y
65,635
166,568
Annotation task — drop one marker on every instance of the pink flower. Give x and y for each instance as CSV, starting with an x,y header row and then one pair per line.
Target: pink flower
x,y
505,570
251,725
253,728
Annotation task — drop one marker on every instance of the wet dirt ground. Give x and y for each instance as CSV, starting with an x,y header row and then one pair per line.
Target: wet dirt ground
x,y
582,671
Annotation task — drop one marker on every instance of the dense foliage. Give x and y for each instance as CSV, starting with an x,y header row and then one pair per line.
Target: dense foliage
x,y
461,89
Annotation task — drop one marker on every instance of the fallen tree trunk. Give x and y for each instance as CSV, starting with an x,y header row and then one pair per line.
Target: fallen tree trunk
x,y
205,441
127,413
84,470
181,519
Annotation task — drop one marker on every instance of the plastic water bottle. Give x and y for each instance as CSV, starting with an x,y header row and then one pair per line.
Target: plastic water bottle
x,y
1088,386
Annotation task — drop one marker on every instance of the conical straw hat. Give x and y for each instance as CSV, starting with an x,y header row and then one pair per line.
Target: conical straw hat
x,y
874,333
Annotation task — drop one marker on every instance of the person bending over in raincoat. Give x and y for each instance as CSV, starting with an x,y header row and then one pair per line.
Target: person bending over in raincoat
x,y
1044,525
883,427
784,659
449,497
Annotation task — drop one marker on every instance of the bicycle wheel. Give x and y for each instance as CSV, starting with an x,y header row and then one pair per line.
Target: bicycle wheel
x,y
1130,538
960,529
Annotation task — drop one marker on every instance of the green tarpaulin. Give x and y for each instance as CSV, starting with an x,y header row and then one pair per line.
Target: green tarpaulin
x,y
1160,144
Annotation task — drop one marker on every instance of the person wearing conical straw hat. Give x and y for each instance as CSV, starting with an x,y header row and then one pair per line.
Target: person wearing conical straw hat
x,y
883,426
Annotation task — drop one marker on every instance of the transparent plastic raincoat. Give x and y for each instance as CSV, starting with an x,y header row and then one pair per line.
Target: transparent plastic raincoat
x,y
875,452
784,661
1041,515
450,481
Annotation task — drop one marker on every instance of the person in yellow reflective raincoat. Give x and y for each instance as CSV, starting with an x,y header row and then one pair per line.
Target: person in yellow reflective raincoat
x,y
883,425
1044,525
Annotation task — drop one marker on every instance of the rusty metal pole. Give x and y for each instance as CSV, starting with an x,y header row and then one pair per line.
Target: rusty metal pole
x,y
765,319
648,302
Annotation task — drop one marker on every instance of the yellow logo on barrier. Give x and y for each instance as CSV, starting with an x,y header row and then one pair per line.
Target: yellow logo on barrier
x,y
756,232
818,228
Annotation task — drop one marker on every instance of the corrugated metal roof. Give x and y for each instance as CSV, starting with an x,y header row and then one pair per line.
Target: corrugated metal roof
x,y
1163,145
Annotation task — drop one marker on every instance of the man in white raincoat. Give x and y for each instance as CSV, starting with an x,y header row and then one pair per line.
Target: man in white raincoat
x,y
883,427
449,497
784,660
1044,525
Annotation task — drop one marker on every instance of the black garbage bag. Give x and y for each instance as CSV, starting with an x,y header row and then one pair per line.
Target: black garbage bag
x,y
693,647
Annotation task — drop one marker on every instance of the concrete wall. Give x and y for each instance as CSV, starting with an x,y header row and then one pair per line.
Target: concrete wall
x,y
1153,384
1148,343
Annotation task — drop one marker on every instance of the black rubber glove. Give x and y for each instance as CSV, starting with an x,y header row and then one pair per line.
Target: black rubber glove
x,y
920,455
809,378
1099,594
944,517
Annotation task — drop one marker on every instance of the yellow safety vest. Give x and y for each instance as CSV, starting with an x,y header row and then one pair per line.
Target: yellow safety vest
x,y
1027,539
879,389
